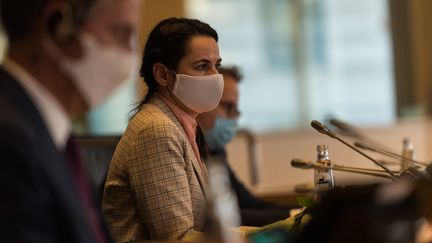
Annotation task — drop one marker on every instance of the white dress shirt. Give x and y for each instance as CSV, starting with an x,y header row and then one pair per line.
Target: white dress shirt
x,y
53,114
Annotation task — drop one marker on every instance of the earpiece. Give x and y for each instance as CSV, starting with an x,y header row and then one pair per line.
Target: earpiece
x,y
62,23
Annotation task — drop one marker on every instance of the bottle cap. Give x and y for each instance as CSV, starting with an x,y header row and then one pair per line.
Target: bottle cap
x,y
322,147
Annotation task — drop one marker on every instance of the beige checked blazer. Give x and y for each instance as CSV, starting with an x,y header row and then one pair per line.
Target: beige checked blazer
x,y
155,188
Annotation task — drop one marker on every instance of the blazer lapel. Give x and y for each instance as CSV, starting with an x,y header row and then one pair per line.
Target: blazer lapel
x,y
200,171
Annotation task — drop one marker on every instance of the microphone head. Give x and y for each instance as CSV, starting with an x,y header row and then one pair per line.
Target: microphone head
x,y
343,126
321,128
302,164
339,124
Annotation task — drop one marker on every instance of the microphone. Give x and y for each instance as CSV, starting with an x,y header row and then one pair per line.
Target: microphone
x,y
321,128
387,153
347,128
353,131
412,171
307,164
389,162
302,164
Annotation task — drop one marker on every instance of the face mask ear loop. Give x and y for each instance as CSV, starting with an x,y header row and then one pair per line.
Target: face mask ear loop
x,y
176,80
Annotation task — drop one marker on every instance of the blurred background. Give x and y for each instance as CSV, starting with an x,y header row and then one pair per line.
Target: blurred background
x,y
365,62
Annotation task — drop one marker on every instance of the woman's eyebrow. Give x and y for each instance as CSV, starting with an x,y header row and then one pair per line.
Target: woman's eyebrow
x,y
206,61
202,60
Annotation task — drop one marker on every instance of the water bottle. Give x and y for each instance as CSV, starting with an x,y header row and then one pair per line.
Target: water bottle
x,y
407,152
323,177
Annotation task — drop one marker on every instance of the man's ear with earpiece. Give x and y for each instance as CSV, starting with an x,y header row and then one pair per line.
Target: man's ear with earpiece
x,y
61,29
61,23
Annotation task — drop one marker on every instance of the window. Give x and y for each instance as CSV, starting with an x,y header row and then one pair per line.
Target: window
x,y
306,59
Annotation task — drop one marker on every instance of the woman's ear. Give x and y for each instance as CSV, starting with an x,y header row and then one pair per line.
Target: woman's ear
x,y
161,74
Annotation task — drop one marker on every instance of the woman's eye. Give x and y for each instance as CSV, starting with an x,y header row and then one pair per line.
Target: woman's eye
x,y
202,67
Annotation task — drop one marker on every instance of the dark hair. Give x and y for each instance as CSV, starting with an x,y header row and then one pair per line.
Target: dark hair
x,y
20,16
167,44
232,71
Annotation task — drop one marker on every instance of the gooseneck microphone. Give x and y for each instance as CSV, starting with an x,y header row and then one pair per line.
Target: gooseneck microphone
x,y
307,164
387,153
355,132
347,128
321,128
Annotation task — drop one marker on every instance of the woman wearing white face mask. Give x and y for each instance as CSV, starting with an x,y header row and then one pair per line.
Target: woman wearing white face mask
x,y
156,183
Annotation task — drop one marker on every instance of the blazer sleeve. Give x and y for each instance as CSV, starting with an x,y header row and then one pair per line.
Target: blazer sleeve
x,y
159,181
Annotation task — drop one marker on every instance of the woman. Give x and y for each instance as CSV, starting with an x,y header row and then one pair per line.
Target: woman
x,y
155,188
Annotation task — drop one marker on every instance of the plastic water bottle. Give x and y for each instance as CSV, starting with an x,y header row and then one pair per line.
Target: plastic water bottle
x,y
407,152
323,177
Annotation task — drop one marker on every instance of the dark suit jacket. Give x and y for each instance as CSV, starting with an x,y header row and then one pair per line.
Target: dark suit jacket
x,y
39,201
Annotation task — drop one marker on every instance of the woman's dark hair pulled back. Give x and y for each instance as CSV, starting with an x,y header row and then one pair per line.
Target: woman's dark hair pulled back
x,y
168,43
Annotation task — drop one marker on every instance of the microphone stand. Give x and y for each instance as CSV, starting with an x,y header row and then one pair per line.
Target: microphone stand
x,y
348,129
301,164
358,171
355,132
387,153
325,130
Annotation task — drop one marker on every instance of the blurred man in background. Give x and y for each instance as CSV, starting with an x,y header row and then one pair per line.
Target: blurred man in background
x,y
64,57
220,127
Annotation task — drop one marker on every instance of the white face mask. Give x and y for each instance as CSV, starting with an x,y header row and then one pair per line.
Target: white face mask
x,y
199,93
99,72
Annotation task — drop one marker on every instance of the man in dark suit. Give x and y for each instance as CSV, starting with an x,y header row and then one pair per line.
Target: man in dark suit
x,y
64,57
220,127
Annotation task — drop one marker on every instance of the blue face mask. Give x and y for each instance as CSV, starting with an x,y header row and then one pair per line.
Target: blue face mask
x,y
221,134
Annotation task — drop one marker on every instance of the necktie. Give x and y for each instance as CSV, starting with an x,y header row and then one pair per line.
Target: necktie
x,y
74,159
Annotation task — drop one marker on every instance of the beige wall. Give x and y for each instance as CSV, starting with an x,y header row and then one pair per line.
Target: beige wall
x,y
155,10
152,12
